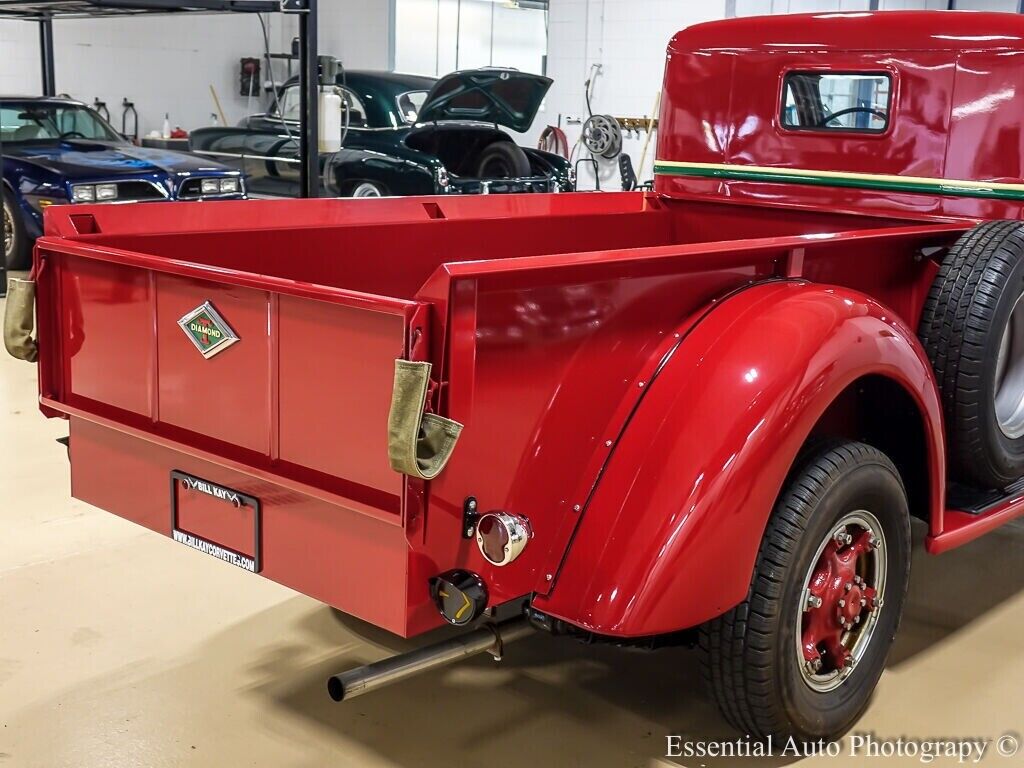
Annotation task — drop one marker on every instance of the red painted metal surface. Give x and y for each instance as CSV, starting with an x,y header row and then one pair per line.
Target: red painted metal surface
x,y
328,550
838,32
635,372
543,349
954,114
838,599
958,527
685,495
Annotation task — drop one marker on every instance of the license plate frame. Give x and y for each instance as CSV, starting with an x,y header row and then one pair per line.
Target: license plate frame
x,y
252,564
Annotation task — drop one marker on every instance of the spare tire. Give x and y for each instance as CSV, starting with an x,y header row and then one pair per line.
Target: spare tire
x,y
502,160
972,328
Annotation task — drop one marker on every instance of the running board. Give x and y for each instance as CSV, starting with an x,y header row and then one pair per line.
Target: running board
x,y
972,514
978,502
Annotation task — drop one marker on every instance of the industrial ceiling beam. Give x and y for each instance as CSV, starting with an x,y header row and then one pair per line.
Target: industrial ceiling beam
x,y
35,9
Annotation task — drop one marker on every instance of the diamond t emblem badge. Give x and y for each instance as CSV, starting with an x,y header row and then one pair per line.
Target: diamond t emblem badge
x,y
207,330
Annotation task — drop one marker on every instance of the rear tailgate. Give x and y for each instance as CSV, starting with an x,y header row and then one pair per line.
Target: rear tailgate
x,y
315,408
293,415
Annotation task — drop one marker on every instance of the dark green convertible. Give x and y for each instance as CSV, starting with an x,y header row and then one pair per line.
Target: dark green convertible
x,y
405,135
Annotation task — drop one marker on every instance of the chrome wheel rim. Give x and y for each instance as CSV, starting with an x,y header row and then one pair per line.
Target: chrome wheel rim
x,y
8,233
366,190
841,601
1009,379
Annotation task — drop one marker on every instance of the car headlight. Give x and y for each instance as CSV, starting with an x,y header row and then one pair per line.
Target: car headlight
x,y
210,186
83,193
228,186
106,191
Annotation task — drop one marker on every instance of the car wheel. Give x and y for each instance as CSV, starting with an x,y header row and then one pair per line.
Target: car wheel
x,y
801,655
17,249
367,189
972,328
503,160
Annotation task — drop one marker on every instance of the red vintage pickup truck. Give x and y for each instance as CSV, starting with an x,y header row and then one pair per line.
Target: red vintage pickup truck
x,y
704,414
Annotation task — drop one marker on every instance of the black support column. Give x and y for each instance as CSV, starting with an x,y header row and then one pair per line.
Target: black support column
x,y
309,80
46,56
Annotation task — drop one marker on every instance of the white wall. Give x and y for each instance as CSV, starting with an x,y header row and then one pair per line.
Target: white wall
x,y
357,31
434,37
1010,6
166,64
760,7
628,39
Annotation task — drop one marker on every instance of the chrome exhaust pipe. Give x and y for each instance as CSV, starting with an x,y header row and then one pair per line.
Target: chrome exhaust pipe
x,y
490,638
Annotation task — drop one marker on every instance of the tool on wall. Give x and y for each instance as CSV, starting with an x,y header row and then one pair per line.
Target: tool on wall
x,y
602,136
216,103
637,125
588,92
128,109
249,76
101,108
553,140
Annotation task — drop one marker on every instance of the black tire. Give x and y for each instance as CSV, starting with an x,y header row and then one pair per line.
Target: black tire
x,y
20,253
962,326
750,654
503,160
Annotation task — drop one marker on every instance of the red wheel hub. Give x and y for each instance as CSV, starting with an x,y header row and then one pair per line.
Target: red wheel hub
x,y
838,600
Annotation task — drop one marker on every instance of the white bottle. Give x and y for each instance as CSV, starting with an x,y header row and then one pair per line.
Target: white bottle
x,y
330,121
167,125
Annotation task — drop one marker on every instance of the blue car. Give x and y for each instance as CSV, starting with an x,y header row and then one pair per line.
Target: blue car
x,y
57,151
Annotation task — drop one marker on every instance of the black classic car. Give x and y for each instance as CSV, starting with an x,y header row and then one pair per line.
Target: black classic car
x,y
58,151
405,135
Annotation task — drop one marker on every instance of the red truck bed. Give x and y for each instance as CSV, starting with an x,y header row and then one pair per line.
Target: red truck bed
x,y
542,315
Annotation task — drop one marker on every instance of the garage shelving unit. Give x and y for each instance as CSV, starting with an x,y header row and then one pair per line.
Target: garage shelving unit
x,y
45,12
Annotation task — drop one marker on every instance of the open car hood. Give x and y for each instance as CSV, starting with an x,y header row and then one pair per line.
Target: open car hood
x,y
503,96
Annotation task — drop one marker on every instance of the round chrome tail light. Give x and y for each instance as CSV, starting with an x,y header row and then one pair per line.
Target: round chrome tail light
x,y
502,537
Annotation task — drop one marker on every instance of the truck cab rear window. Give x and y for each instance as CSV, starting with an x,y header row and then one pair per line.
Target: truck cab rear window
x,y
834,101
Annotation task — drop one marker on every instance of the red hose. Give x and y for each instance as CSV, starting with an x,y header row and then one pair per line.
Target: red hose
x,y
553,139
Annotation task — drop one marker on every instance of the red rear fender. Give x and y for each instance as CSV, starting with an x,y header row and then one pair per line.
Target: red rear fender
x,y
669,538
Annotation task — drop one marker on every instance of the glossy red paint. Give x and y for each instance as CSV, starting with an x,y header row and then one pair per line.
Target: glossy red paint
x,y
954,112
706,452
955,115
635,372
326,549
857,31
838,598
543,349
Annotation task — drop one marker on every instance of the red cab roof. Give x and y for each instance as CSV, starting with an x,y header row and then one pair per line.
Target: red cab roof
x,y
868,31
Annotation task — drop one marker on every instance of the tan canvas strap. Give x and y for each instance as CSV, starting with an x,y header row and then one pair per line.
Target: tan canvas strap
x,y
419,443
19,320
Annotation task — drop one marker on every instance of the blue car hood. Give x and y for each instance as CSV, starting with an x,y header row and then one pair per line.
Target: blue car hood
x,y
90,159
